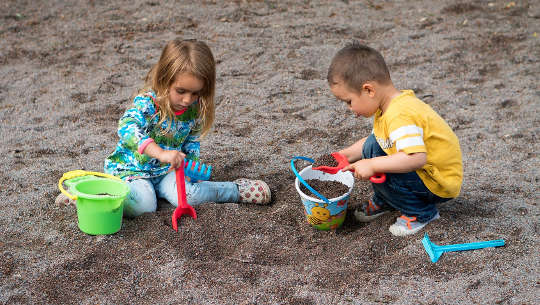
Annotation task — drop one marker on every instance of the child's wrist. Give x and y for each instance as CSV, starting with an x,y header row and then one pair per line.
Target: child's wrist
x,y
144,145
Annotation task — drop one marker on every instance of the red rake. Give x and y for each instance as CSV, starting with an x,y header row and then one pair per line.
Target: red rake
x,y
342,162
183,207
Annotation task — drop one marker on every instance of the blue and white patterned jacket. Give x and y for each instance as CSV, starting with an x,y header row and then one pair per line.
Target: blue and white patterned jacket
x,y
139,126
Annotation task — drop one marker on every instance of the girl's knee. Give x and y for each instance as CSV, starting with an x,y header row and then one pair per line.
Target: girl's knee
x,y
141,199
134,208
137,205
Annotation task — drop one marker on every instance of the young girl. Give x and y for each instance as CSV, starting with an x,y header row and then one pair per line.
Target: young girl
x,y
162,128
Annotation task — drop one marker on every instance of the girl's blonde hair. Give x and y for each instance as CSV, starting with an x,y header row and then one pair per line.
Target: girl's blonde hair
x,y
184,56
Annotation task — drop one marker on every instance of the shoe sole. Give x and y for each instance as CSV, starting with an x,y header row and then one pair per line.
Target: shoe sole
x,y
398,230
361,217
63,199
267,191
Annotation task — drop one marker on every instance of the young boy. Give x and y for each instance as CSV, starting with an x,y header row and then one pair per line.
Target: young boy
x,y
410,142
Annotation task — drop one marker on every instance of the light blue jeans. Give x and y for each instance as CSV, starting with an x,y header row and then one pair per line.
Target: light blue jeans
x,y
145,192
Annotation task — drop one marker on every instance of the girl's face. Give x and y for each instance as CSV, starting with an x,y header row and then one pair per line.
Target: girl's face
x,y
184,91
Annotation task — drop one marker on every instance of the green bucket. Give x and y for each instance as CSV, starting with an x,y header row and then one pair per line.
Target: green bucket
x,y
100,203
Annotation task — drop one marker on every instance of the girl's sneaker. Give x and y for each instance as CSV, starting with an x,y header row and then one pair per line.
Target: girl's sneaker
x,y
63,199
253,191
408,225
369,211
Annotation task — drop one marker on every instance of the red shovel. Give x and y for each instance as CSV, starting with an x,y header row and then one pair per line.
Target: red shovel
x,y
183,207
342,162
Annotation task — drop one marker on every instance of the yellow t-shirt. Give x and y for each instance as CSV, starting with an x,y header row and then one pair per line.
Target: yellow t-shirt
x,y
412,126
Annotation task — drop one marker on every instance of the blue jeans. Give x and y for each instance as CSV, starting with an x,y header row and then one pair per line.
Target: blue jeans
x,y
145,192
404,192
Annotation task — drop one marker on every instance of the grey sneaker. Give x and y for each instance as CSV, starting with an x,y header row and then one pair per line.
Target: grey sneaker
x,y
369,211
408,225
253,191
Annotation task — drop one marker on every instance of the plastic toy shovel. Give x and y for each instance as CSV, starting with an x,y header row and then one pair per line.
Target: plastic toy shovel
x,y
183,207
342,162
435,251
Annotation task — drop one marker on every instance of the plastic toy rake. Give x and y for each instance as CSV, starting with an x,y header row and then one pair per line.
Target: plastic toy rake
x,y
197,171
435,251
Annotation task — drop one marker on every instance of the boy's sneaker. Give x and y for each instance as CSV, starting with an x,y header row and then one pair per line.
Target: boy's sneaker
x,y
408,225
63,199
369,211
253,191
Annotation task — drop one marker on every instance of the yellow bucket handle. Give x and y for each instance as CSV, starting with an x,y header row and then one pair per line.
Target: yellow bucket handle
x,y
80,173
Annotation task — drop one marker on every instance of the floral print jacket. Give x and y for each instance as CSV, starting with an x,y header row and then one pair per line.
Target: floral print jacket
x,y
139,126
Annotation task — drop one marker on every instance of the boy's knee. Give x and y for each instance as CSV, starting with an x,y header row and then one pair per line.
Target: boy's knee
x,y
371,148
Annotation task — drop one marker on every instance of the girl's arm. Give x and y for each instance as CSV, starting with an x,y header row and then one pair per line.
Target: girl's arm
x,y
172,157
397,163
354,152
132,130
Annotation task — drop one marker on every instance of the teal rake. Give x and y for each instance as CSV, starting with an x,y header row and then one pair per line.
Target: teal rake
x,y
197,171
434,251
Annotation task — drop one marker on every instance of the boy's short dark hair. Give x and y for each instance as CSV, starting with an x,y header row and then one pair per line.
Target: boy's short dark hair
x,y
356,64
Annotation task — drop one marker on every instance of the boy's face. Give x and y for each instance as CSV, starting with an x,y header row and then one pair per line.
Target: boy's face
x,y
360,103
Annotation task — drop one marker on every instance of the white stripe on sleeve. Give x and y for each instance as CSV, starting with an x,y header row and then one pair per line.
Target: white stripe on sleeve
x,y
408,130
408,142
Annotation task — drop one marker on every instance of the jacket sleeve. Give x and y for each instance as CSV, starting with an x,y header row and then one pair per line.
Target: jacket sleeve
x,y
133,125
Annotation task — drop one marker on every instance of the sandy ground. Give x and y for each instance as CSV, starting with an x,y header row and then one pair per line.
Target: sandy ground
x,y
68,69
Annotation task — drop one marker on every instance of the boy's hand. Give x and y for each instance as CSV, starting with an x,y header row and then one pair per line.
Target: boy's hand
x,y
362,169
172,157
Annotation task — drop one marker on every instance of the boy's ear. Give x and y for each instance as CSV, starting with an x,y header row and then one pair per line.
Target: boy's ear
x,y
369,89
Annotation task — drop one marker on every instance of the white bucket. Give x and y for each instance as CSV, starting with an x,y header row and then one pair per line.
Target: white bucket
x,y
319,213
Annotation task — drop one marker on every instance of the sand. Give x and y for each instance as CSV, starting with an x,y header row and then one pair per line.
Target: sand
x,y
67,73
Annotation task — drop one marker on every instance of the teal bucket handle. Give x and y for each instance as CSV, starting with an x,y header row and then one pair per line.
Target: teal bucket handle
x,y
302,179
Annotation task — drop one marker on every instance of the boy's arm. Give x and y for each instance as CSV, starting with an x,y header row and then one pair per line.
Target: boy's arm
x,y
396,163
354,152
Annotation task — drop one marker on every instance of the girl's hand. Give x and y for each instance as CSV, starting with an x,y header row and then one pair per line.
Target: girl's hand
x,y
362,169
172,157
